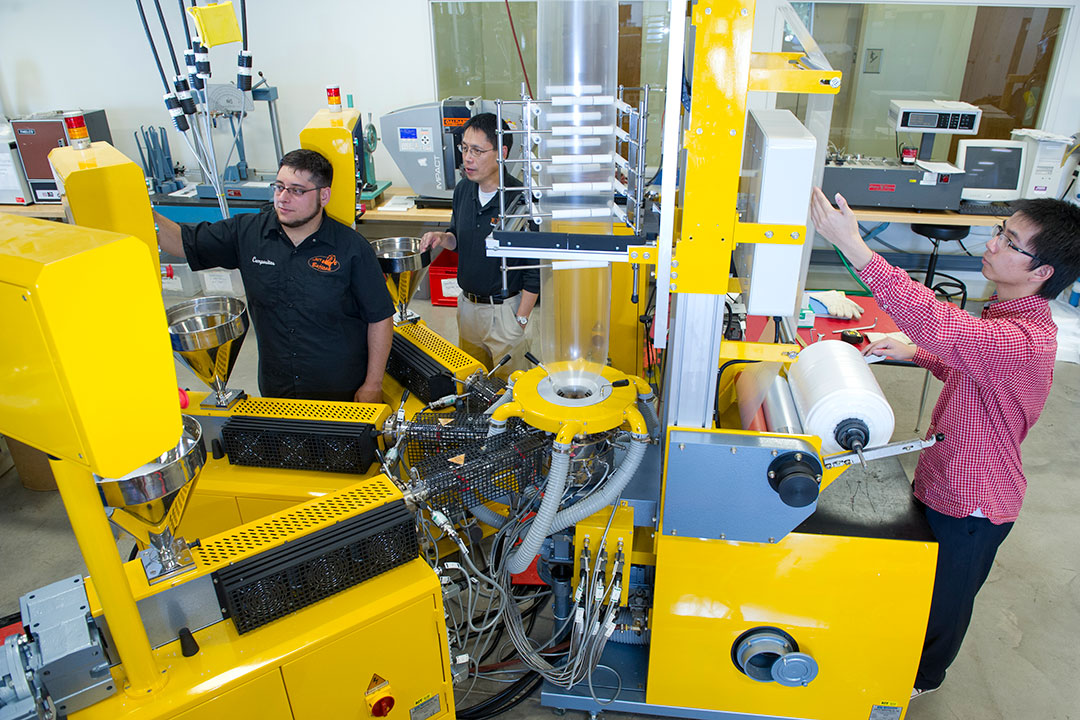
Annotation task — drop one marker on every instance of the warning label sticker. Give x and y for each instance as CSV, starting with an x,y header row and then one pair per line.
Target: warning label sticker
x,y
885,712
427,709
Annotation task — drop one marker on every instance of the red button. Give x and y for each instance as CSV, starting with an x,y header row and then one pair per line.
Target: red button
x,y
382,706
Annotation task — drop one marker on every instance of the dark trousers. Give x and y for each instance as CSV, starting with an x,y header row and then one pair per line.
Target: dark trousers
x,y
966,550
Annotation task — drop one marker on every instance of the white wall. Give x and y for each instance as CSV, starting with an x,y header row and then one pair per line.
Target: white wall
x,y
58,54
55,54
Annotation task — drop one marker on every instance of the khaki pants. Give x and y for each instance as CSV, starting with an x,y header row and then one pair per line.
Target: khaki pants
x,y
488,332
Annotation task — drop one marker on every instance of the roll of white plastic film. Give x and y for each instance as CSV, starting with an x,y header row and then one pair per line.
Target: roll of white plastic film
x,y
838,398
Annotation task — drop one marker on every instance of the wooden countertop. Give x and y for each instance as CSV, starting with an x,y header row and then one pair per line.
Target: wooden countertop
x,y
46,211
428,215
945,217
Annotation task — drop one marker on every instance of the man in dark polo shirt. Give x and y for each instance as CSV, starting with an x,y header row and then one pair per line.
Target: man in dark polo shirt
x,y
491,322
318,300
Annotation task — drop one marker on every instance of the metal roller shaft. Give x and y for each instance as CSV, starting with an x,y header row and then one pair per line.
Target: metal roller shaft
x,y
779,406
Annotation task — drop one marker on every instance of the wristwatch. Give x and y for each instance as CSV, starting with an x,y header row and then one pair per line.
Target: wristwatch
x,y
522,321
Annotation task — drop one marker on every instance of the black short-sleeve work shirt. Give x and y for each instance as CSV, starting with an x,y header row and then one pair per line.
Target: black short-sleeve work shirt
x,y
471,224
310,304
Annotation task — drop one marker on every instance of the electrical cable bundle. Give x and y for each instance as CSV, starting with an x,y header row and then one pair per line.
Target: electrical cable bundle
x,y
590,623
475,605
187,98
487,604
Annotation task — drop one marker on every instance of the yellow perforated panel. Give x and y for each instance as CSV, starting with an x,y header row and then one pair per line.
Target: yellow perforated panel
x,y
454,358
300,520
311,410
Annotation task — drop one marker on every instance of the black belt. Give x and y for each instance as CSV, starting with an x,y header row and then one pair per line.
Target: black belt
x,y
488,299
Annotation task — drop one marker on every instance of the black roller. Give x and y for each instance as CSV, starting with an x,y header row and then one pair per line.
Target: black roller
x,y
795,476
850,432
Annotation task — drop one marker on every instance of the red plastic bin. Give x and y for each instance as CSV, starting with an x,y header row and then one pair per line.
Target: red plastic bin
x,y
442,279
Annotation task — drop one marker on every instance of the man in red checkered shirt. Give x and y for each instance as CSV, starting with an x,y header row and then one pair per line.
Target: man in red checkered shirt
x,y
997,371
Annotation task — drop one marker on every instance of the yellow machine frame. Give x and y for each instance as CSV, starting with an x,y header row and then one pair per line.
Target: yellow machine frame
x,y
284,669
59,286
331,135
104,189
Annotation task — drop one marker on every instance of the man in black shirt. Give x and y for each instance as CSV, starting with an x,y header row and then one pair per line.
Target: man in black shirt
x,y
322,314
491,322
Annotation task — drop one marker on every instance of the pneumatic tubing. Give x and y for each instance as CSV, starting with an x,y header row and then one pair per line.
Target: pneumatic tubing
x,y
612,489
652,420
543,525
504,398
488,516
522,557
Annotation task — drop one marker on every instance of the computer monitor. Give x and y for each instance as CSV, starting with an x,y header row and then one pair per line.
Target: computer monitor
x,y
993,169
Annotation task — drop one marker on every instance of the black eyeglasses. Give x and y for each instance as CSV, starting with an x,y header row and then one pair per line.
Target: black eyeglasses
x,y
999,231
294,191
473,150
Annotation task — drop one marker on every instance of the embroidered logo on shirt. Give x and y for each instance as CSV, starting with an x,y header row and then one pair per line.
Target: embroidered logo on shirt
x,y
260,261
325,263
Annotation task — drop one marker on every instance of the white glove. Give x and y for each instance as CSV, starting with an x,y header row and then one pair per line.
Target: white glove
x,y
837,304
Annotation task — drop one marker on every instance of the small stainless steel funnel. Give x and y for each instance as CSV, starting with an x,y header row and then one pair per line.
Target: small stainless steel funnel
x,y
149,502
401,259
207,334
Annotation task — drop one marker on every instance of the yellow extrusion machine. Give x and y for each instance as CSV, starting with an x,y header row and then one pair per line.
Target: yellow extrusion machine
x,y
320,606
741,573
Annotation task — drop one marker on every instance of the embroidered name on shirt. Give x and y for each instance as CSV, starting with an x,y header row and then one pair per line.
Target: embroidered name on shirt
x,y
260,261
325,263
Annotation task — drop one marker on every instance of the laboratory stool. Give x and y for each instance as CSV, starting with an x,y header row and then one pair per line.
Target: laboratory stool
x,y
936,234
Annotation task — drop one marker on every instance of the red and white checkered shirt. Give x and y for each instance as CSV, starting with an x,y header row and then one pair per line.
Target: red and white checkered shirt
x,y
997,371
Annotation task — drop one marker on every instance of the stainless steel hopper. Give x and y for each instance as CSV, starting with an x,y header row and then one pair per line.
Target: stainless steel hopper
x,y
149,502
207,334
406,268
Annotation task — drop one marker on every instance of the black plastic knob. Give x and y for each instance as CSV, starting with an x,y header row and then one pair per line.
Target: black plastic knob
x,y
795,478
189,647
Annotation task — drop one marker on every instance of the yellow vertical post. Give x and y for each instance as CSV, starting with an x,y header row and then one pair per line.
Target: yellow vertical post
x,y
714,143
92,532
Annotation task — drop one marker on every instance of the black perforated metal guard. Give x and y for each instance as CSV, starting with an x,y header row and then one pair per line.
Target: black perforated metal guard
x,y
483,391
436,433
423,375
482,471
287,578
326,446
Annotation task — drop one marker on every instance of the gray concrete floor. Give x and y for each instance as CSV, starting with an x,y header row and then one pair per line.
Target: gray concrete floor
x,y
1021,658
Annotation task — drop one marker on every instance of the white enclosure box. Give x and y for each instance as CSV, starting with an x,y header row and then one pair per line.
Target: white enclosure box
x,y
1043,153
220,281
778,171
14,189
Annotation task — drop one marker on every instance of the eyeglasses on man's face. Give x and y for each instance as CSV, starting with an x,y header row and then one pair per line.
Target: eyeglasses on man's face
x,y
473,150
998,231
293,190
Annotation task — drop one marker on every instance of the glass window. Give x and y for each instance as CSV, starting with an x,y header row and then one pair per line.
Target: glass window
x,y
998,58
476,53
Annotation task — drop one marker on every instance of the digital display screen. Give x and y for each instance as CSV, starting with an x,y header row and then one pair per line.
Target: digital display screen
x,y
922,120
994,168
407,133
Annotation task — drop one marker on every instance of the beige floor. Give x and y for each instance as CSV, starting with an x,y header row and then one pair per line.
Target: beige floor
x,y
1021,659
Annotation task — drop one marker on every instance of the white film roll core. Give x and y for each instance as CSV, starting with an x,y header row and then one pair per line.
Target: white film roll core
x,y
831,383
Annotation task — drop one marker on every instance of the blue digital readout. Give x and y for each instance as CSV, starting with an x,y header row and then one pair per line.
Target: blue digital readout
x,y
407,133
